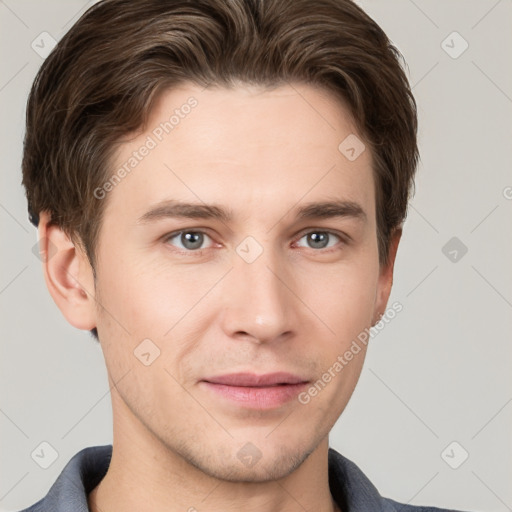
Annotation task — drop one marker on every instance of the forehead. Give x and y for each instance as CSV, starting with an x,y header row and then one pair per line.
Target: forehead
x,y
246,147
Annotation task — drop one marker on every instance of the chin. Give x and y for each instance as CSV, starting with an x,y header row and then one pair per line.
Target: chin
x,y
250,465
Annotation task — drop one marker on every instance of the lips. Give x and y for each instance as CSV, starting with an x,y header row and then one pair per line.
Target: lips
x,y
251,391
256,381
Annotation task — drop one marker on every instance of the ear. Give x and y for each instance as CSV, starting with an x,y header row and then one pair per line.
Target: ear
x,y
68,275
386,276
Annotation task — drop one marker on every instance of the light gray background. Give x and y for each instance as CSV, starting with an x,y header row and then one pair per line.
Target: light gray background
x,y
438,373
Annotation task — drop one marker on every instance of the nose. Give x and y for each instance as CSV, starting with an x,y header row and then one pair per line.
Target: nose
x,y
258,300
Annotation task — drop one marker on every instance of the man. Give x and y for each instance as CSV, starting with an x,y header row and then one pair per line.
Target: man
x,y
219,188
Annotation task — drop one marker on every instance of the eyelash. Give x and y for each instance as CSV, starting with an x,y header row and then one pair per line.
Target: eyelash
x,y
344,239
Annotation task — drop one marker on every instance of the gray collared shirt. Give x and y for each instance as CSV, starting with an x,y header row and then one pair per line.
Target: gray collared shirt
x,y
350,488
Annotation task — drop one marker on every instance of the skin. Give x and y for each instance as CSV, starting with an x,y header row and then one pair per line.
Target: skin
x,y
296,308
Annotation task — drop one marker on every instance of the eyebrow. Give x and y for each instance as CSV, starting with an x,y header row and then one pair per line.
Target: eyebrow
x,y
316,210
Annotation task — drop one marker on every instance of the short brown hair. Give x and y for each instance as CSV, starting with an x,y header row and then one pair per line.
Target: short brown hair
x,y
101,80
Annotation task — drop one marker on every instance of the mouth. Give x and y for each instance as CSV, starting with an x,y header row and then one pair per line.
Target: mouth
x,y
253,391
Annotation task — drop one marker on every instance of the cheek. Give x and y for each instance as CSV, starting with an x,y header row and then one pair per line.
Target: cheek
x,y
155,300
343,296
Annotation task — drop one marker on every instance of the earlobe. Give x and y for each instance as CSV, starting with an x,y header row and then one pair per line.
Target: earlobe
x,y
386,276
68,275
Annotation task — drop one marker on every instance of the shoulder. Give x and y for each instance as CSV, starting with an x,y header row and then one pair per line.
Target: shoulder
x,y
402,507
79,476
353,490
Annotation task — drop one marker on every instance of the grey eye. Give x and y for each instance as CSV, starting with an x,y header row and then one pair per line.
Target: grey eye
x,y
188,240
320,239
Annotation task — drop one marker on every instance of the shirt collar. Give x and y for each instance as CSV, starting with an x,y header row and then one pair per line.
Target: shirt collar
x,y
352,489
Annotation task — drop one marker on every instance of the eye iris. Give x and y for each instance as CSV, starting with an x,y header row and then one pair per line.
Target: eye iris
x,y
318,240
192,240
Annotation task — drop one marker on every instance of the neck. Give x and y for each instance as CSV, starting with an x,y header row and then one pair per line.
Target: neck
x,y
145,475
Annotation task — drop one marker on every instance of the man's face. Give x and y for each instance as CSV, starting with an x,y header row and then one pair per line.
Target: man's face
x,y
264,291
